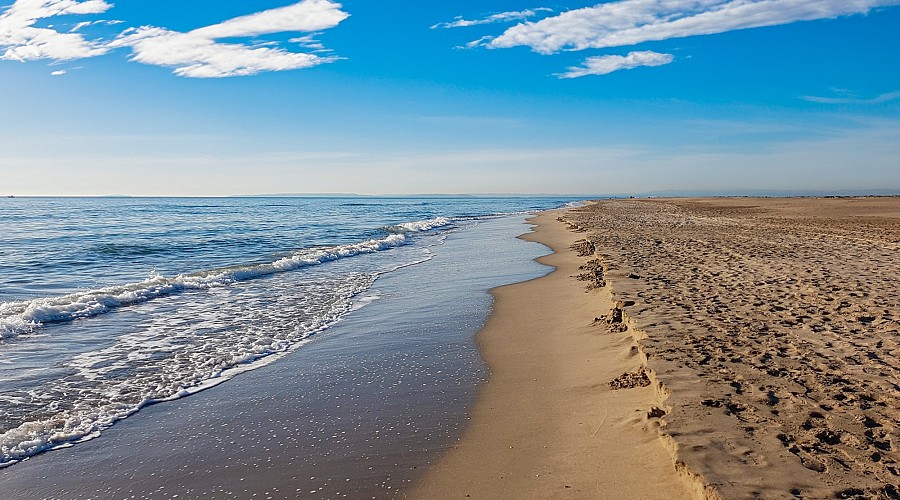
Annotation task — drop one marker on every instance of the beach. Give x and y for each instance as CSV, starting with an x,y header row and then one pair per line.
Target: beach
x,y
764,334
355,410
666,348
547,424
614,250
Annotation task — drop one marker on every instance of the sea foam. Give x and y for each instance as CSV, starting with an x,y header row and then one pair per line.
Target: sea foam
x,y
22,317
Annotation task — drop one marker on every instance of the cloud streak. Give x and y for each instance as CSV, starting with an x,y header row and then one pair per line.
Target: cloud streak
x,y
20,40
852,99
310,42
603,65
631,22
198,57
198,53
502,17
305,16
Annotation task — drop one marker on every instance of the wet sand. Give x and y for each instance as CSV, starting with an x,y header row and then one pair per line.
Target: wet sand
x,y
707,348
359,412
549,424
773,325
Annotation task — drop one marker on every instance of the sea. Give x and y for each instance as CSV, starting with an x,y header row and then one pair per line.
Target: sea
x,y
112,306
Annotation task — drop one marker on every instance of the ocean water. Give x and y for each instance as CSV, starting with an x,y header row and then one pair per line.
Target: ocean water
x,y
108,305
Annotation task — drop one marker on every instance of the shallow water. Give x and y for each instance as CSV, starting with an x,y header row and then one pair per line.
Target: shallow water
x,y
110,305
359,410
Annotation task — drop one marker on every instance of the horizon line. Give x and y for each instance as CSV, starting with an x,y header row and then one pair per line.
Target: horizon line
x,y
675,193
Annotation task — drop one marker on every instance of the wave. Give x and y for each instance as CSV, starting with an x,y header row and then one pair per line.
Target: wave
x,y
418,226
23,317
97,408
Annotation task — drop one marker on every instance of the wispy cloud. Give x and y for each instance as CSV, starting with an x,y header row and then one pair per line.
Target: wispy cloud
x,y
625,23
85,24
502,17
849,98
20,40
602,65
310,42
630,22
59,72
197,53
476,43
305,16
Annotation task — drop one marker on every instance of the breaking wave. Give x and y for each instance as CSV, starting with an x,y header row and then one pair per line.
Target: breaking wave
x,y
23,317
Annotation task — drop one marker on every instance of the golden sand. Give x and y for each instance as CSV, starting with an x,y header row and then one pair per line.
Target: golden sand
x,y
774,325
718,348
548,424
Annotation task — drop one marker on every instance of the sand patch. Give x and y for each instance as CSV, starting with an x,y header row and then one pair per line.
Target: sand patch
x,y
774,324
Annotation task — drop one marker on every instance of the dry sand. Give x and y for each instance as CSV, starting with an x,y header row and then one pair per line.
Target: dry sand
x,y
718,348
548,424
774,325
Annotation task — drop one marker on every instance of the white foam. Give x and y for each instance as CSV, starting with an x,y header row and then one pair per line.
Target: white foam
x,y
425,225
95,401
365,299
22,317
419,226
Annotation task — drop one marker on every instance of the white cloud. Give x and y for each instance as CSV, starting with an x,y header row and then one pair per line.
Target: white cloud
x,y
310,42
80,25
630,22
20,40
304,16
198,54
602,65
853,99
476,43
59,72
199,57
85,24
501,17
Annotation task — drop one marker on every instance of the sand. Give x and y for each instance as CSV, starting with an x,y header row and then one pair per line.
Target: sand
x,y
548,424
689,348
773,325
706,348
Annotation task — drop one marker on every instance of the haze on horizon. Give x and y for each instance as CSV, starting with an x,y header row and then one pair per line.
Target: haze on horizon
x,y
316,96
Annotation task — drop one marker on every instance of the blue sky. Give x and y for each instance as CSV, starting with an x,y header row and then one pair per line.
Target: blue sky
x,y
278,96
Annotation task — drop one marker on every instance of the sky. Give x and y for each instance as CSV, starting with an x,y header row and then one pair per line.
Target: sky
x,y
213,98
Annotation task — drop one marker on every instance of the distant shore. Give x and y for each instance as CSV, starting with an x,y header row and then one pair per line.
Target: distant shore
x,y
694,347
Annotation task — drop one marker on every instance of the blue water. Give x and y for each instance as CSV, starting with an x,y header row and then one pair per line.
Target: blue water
x,y
109,304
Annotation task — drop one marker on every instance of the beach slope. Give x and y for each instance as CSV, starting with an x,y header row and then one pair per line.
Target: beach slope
x,y
549,423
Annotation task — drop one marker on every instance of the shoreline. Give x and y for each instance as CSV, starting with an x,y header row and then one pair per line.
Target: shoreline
x,y
681,348
724,348
548,423
358,412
